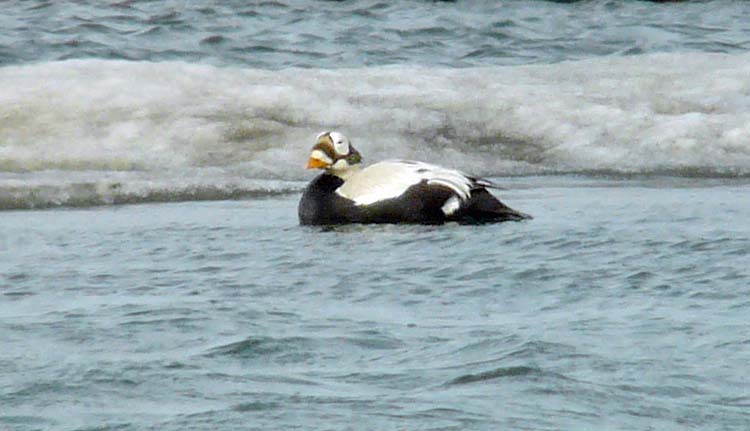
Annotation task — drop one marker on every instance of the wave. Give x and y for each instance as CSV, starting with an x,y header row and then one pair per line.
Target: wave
x,y
50,189
680,114
517,371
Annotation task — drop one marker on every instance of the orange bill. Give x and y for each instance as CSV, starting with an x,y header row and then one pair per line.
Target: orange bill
x,y
313,163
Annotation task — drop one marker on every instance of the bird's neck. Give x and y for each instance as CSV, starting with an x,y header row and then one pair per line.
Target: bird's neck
x,y
345,173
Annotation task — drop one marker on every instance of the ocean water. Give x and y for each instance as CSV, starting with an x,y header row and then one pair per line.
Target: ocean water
x,y
153,275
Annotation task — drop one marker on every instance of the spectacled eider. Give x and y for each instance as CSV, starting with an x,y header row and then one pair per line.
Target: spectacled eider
x,y
392,191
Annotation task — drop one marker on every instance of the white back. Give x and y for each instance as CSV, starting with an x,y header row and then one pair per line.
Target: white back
x,y
391,178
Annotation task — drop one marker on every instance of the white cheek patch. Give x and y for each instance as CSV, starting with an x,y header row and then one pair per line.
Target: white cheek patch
x,y
319,155
451,205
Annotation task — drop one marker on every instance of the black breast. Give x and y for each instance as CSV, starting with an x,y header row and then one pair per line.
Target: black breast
x,y
321,205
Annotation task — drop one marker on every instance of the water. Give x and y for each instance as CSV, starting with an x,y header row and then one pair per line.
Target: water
x,y
110,131
204,315
153,275
274,34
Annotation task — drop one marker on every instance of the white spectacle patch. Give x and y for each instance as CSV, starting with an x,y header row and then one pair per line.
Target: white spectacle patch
x,y
340,143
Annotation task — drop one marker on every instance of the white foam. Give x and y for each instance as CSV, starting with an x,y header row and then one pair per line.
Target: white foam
x,y
682,112
90,188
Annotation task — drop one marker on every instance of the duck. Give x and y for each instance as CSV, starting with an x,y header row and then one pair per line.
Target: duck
x,y
393,191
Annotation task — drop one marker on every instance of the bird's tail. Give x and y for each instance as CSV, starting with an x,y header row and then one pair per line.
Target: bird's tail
x,y
486,207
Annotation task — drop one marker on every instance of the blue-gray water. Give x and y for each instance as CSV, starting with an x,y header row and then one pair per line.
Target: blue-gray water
x,y
276,34
153,275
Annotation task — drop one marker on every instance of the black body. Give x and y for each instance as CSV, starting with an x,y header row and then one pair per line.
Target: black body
x,y
420,203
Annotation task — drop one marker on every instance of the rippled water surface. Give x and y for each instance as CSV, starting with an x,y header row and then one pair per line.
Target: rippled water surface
x,y
276,34
618,307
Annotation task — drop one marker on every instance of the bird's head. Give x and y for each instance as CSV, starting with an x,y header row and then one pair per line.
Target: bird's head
x,y
333,152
